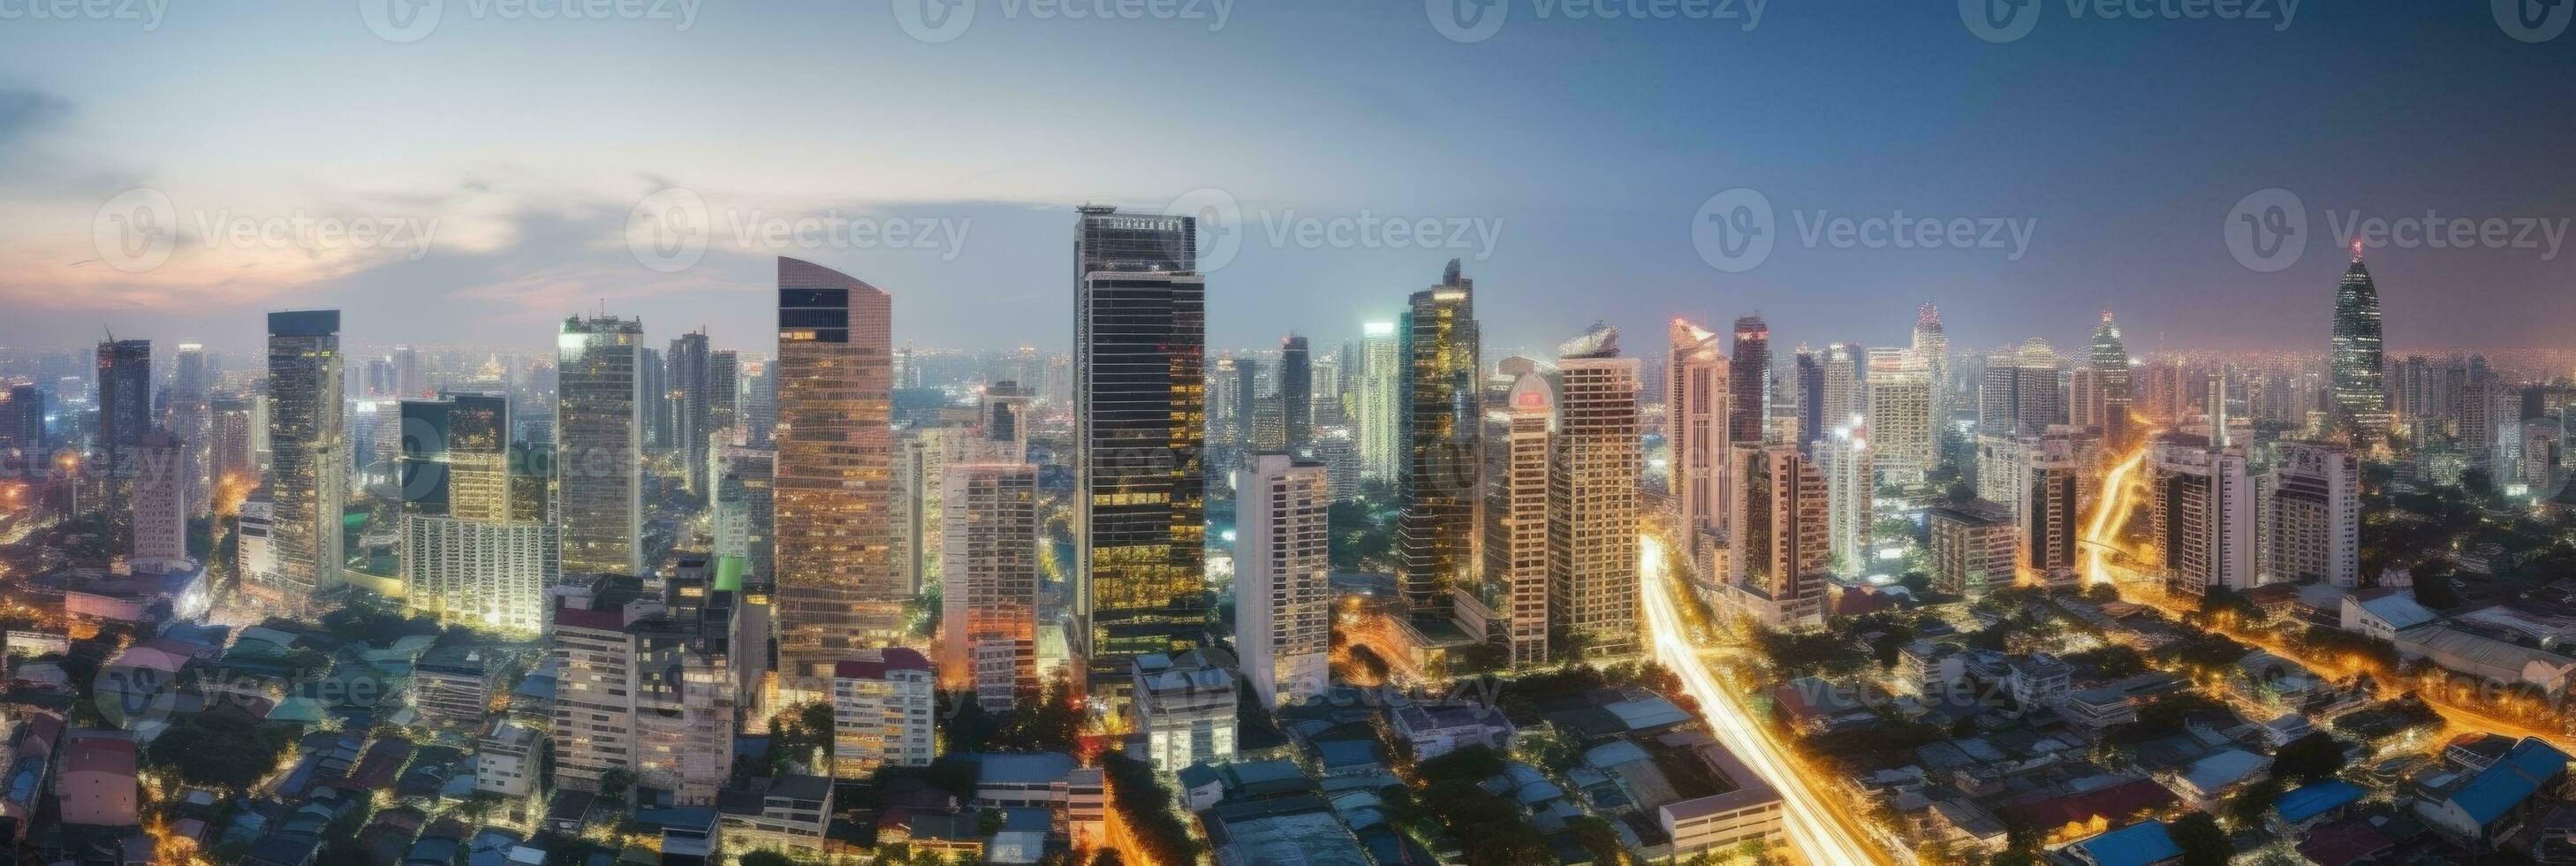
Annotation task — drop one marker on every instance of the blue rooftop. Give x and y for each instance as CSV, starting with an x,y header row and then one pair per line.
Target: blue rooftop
x,y
2523,769
2134,845
2316,798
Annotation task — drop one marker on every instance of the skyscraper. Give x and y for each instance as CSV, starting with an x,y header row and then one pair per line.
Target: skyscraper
x,y
1695,418
1842,394
1750,386
1297,391
1435,540
1282,577
1382,372
1843,456
1515,597
2046,502
2360,392
1140,408
160,502
309,452
188,415
1932,346
124,410
687,379
599,429
2110,366
1900,407
1593,500
1778,560
838,587
1808,388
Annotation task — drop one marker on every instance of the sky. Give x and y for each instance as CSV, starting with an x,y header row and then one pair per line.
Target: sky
x,y
472,171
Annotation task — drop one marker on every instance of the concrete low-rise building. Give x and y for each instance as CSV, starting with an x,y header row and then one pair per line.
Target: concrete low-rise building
x,y
2487,658
2493,804
2382,614
791,813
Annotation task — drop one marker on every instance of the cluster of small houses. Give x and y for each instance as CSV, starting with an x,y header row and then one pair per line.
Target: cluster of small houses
x,y
2029,730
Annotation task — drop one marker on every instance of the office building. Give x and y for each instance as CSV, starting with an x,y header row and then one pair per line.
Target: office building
x,y
1435,539
1185,708
162,463
1973,547
833,481
1900,407
599,429
1140,413
124,411
309,454
1931,346
2360,389
1296,391
1749,385
689,393
1844,456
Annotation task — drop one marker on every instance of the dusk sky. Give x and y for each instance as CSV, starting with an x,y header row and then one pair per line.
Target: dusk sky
x,y
1571,158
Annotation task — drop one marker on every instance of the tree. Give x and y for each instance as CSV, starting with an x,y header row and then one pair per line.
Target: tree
x,y
1595,835
2309,758
221,748
2202,843
2253,801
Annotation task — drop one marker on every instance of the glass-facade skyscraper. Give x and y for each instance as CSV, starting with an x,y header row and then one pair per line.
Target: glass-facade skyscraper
x,y
838,587
1751,382
1140,406
2360,389
1435,537
309,452
124,408
599,428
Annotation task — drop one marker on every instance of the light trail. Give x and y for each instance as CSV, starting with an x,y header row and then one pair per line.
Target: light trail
x,y
1818,832
2117,500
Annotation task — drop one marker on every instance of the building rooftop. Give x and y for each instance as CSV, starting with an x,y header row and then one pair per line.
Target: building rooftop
x,y
2138,844
2514,778
2316,798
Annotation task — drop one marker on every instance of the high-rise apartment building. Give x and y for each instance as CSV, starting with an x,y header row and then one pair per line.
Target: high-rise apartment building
x,y
162,466
1282,578
1932,347
989,582
2203,515
647,684
1435,541
1593,504
1140,410
599,429
882,705
2047,501
309,452
1696,429
1516,597
2312,516
838,585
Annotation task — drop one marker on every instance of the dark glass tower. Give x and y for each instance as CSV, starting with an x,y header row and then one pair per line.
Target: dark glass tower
x,y
1435,539
2360,389
1296,391
1750,380
1140,405
124,407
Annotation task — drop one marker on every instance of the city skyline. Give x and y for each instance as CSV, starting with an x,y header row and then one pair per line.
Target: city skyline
x,y
523,239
